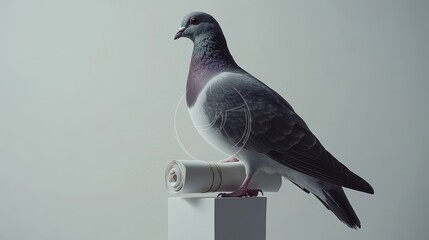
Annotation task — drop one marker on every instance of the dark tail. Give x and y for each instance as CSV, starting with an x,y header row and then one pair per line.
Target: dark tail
x,y
335,200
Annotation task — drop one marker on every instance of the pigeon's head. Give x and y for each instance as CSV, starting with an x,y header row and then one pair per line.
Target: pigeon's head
x,y
197,24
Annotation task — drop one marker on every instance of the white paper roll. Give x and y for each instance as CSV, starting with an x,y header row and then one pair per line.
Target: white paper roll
x,y
196,176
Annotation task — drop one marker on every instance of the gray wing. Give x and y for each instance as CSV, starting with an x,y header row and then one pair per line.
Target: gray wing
x,y
249,114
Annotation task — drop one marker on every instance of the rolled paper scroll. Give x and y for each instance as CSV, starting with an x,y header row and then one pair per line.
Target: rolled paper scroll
x,y
197,176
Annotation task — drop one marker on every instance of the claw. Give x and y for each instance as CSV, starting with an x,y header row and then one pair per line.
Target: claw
x,y
242,193
254,192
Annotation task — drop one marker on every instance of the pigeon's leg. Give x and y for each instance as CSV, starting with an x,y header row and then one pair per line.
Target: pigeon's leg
x,y
242,191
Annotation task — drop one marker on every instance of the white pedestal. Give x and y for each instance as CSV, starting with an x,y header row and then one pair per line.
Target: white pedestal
x,y
217,218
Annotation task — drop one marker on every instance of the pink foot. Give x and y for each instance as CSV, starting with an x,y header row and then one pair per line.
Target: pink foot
x,y
242,193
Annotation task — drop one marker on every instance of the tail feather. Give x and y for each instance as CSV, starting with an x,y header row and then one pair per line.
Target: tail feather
x,y
335,200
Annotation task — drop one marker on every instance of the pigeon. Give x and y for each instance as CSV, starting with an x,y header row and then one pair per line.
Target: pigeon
x,y
241,116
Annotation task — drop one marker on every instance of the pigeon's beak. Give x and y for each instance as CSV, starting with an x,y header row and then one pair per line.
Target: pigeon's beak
x,y
179,33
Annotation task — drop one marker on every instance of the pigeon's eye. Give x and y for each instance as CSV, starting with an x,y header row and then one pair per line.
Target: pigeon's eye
x,y
193,21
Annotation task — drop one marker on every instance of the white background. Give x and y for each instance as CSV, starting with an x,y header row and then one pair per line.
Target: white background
x,y
89,89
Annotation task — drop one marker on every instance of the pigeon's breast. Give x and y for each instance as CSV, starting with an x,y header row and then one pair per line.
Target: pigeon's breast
x,y
204,125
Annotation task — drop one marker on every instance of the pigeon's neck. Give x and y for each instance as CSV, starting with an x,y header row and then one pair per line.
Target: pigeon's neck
x,y
211,53
209,58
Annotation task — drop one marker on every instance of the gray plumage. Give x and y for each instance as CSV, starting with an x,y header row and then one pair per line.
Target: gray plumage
x,y
240,115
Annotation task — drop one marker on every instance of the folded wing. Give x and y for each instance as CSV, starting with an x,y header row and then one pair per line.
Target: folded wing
x,y
249,114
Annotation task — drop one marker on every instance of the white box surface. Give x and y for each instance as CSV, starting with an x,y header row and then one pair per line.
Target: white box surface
x,y
191,218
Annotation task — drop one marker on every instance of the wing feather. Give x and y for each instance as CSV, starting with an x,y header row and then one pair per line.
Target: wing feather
x,y
255,117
